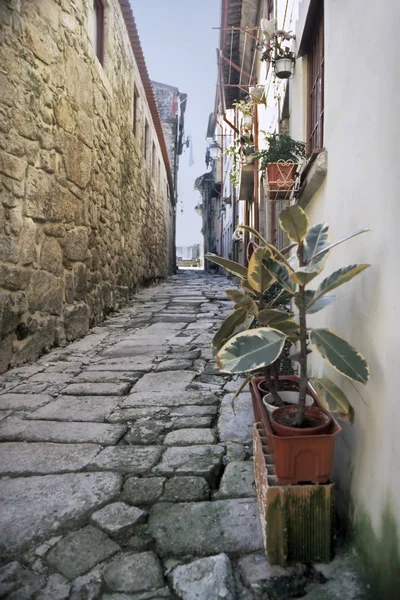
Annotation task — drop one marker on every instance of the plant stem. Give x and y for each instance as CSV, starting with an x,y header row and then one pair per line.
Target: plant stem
x,y
303,344
272,386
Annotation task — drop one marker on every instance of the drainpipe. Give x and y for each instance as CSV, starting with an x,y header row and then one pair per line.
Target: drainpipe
x,y
256,180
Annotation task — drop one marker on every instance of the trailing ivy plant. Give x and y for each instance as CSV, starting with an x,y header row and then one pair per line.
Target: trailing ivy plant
x,y
242,147
254,349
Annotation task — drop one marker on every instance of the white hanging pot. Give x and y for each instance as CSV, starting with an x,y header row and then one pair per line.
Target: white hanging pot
x,y
287,397
257,94
284,68
247,120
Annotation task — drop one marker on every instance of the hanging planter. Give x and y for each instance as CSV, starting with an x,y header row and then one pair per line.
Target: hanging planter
x,y
247,121
284,67
257,94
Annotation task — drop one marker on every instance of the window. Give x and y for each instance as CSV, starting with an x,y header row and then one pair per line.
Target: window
x,y
98,29
153,161
146,140
315,86
135,110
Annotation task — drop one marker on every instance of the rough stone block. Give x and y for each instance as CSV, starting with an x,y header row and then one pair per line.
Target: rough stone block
x,y
204,461
169,398
208,578
9,250
118,519
97,389
81,550
185,489
45,292
18,430
81,408
237,481
236,426
51,256
46,200
143,491
15,401
189,437
168,381
230,526
12,166
36,507
76,244
24,459
127,459
129,572
56,587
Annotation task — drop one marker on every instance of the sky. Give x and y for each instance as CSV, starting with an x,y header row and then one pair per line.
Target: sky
x,y
179,46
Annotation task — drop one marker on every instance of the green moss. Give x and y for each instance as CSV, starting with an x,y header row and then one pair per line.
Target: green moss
x,y
381,553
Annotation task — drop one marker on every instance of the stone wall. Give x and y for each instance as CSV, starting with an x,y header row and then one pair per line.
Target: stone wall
x,y
84,218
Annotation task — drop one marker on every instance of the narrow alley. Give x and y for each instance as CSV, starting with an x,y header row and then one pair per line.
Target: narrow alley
x,y
113,449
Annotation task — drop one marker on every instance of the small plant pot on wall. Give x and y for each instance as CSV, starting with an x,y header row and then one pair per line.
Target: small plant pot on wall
x,y
284,67
281,178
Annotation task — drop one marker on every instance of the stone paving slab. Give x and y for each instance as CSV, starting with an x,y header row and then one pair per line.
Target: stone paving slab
x,y
18,430
15,401
81,550
203,461
188,437
77,408
168,398
105,376
236,425
130,572
214,573
21,458
237,481
97,389
168,381
35,507
230,526
127,459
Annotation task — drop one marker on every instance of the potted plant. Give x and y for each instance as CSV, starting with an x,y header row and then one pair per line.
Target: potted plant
x,y
280,55
247,110
302,437
280,160
243,152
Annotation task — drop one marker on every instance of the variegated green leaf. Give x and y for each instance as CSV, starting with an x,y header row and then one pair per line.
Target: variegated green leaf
x,y
304,275
280,273
294,221
246,286
323,251
337,278
333,399
317,238
270,317
229,326
242,300
340,354
229,265
251,350
290,329
320,304
258,277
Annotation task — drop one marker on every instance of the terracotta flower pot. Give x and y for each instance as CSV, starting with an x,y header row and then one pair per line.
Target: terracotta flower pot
x,y
298,459
312,412
281,178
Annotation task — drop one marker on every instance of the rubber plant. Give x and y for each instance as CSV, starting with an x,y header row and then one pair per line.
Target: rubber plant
x,y
261,302
251,350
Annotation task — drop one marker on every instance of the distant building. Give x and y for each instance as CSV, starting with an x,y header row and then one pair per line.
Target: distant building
x,y
188,252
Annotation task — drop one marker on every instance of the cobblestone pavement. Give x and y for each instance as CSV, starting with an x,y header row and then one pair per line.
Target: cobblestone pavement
x,y
126,474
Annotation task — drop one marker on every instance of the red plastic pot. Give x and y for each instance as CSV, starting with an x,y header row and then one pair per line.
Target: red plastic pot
x,y
298,459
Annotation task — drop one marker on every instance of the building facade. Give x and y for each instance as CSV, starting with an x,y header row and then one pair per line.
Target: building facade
x,y
341,102
87,193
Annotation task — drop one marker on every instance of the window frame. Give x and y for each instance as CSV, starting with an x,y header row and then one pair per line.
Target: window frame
x,y
315,86
135,110
98,14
